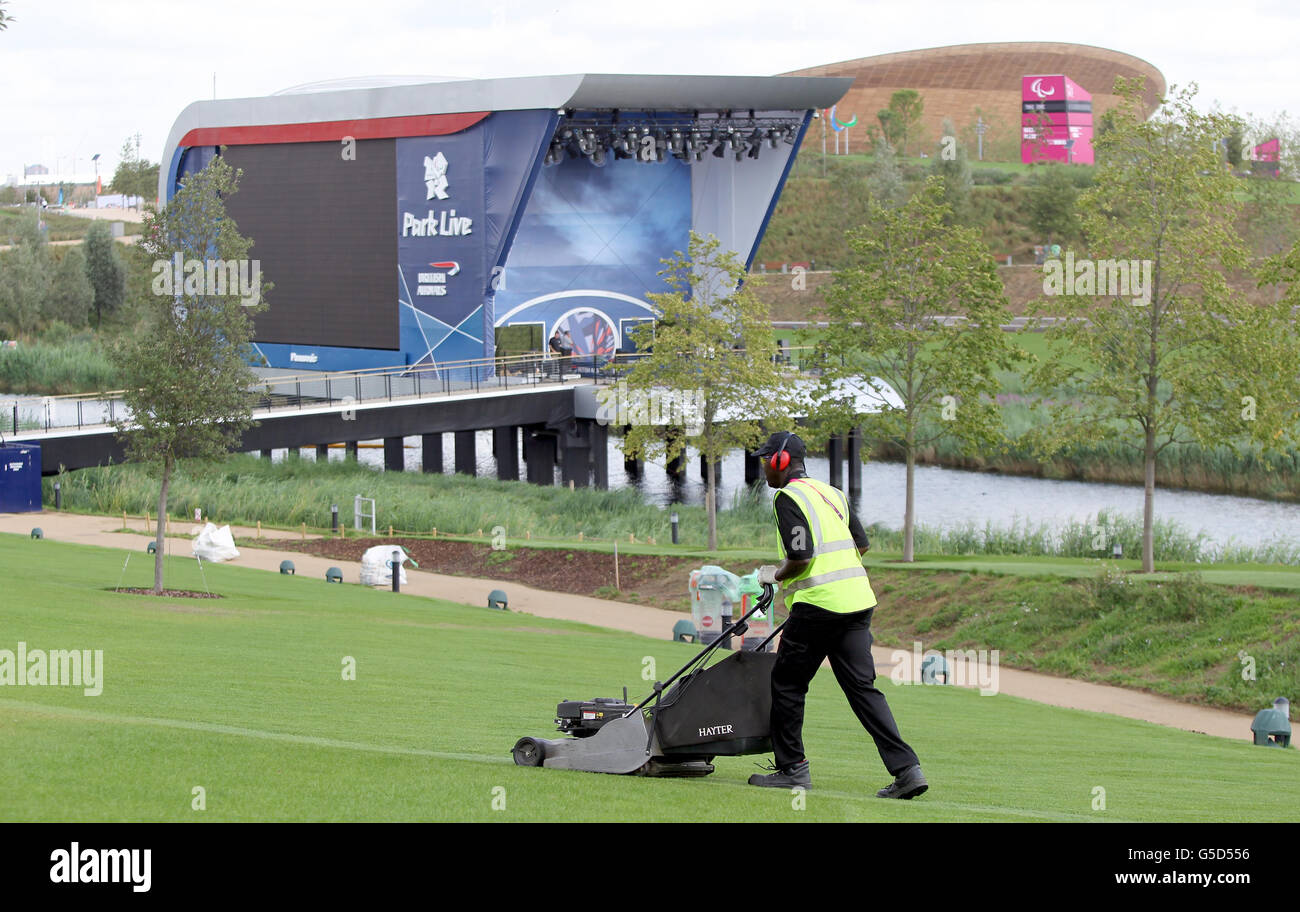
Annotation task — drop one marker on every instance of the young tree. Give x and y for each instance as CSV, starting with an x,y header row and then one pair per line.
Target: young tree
x,y
1052,202
134,175
912,268
952,167
1177,355
711,350
25,278
70,294
187,376
899,121
886,180
105,270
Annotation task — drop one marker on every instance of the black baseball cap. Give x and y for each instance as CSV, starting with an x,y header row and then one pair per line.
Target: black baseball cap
x,y
793,445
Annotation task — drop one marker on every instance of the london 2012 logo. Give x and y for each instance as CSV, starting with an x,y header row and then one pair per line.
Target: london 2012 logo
x,y
435,176
1036,87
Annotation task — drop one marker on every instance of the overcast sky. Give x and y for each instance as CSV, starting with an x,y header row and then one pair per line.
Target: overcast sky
x,y
79,76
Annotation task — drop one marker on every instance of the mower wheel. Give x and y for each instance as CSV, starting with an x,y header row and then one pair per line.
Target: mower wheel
x,y
529,752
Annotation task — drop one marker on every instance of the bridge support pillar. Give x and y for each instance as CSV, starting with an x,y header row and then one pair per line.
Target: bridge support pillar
x,y
855,463
753,471
350,450
581,451
835,455
394,454
632,465
322,452
704,470
266,454
505,448
466,457
677,466
431,453
539,450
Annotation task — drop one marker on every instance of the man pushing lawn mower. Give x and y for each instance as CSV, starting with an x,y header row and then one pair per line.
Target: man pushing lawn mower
x,y
830,601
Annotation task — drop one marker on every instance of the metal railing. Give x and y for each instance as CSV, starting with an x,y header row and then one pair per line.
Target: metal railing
x,y
342,388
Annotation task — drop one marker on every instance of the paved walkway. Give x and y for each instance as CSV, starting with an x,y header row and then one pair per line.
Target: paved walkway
x,y
641,619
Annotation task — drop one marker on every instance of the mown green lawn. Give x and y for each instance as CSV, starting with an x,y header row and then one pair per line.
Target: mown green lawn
x,y
244,697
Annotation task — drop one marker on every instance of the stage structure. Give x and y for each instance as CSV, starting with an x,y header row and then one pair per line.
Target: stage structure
x,y
415,224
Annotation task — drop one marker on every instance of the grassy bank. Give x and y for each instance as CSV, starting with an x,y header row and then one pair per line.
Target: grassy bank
x,y
246,490
77,362
1180,637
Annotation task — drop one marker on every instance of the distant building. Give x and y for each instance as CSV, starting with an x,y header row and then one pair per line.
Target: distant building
x,y
955,81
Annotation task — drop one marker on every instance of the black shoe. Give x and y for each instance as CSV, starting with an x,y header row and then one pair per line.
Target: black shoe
x,y
906,785
796,776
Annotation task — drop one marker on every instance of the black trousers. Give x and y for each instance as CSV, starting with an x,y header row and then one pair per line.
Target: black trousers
x,y
810,636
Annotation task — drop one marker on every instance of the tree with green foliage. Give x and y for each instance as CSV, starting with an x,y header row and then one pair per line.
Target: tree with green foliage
x,y
898,122
712,357
951,166
186,374
105,270
1269,215
134,175
1052,202
1172,355
71,294
912,267
885,183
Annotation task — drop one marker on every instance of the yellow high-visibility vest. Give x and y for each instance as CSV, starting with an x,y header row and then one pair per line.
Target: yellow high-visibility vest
x,y
836,579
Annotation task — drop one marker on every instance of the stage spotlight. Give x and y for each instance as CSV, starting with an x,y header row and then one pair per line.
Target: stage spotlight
x,y
753,150
790,136
720,150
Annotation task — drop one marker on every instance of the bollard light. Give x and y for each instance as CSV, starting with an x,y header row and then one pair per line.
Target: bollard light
x,y
58,496
1118,551
672,518
397,571
334,518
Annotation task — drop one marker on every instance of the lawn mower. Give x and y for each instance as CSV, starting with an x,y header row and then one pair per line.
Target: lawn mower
x,y
697,714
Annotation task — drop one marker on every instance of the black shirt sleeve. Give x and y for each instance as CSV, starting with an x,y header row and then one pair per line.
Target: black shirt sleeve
x,y
793,528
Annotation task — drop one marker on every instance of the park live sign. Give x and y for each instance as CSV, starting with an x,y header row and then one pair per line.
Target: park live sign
x,y
440,205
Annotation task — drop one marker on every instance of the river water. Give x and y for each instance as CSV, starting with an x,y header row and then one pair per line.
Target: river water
x,y
945,498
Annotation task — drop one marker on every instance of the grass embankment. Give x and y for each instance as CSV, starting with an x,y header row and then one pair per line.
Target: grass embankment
x,y
1179,636
73,362
244,696
245,490
60,227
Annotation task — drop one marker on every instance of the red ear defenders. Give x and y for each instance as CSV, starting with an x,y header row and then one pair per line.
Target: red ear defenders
x,y
781,459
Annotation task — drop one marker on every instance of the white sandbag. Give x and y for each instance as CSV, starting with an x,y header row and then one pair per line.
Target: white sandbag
x,y
376,566
215,544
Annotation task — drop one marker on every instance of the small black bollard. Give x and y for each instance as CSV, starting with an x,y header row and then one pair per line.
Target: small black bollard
x,y
397,571
673,519
334,518
58,496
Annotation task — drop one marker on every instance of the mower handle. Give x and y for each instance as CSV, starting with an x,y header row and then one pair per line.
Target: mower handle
x,y
764,602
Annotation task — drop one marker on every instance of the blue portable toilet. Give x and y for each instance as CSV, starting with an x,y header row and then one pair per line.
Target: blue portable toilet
x,y
20,478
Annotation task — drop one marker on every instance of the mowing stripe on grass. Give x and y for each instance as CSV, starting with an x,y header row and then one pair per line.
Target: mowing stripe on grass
x,y
216,728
